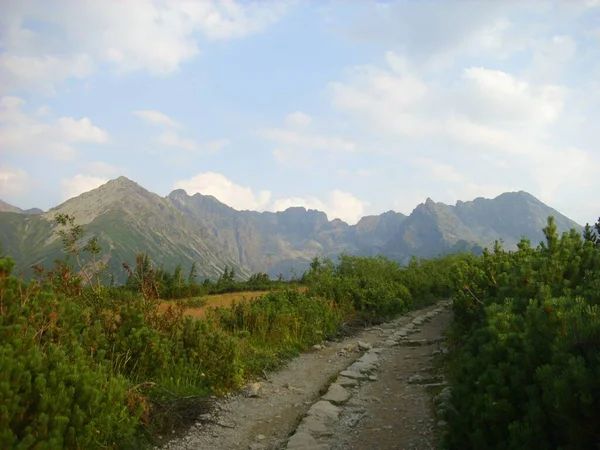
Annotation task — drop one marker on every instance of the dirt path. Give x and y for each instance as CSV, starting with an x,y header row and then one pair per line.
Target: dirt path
x,y
266,414
396,410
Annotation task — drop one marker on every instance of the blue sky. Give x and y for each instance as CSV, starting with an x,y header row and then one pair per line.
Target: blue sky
x,y
351,107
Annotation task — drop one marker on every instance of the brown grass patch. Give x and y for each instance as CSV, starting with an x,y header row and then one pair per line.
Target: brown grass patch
x,y
213,301
216,300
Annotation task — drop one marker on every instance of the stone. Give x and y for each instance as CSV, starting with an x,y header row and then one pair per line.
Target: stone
x,y
364,345
314,427
376,350
362,366
346,382
255,446
303,440
253,390
416,379
369,358
336,394
353,374
260,437
324,410
317,347
350,347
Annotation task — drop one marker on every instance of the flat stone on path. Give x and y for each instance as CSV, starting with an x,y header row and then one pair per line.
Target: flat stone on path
x,y
346,382
314,426
324,410
336,394
303,440
353,374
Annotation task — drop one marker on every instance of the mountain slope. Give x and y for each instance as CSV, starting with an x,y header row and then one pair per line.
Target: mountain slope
x,y
434,228
126,219
6,207
266,242
180,228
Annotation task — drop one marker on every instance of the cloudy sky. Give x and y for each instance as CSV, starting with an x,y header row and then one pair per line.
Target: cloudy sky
x,y
352,107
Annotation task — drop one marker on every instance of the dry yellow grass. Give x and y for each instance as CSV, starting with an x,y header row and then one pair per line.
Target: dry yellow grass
x,y
223,300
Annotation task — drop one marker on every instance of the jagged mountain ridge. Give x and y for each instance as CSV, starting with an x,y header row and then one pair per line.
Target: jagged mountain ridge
x,y
180,228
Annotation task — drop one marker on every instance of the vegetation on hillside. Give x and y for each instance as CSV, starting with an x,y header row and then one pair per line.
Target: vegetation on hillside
x,y
89,365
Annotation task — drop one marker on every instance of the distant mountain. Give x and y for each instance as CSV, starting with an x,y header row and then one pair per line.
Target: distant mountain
x,y
6,207
127,219
433,228
181,228
33,211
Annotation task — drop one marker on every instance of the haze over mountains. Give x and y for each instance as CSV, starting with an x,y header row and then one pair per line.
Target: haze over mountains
x,y
181,228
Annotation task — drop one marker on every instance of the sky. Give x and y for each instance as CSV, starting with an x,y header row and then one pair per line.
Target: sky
x,y
351,107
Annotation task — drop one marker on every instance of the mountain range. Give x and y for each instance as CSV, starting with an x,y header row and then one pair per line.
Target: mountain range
x,y
179,228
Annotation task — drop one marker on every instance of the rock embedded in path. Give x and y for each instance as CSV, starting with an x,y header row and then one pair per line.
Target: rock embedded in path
x,y
253,390
325,411
346,382
314,426
390,343
376,350
364,345
303,440
336,394
355,375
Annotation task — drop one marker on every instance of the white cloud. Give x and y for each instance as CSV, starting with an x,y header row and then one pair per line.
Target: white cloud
x,y
298,120
439,171
12,182
345,206
171,138
80,183
155,36
434,38
495,113
499,97
290,138
42,71
22,134
226,191
339,204
156,118
215,146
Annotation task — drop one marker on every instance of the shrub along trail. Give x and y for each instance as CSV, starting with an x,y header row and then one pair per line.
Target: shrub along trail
x,y
264,415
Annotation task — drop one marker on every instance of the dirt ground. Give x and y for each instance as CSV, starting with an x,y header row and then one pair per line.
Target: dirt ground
x,y
393,414
397,414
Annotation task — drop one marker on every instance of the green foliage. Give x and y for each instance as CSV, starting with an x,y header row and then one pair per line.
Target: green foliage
x,y
375,289
52,394
91,365
278,325
526,339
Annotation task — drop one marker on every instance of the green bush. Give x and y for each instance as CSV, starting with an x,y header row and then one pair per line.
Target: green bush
x,y
52,394
525,371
